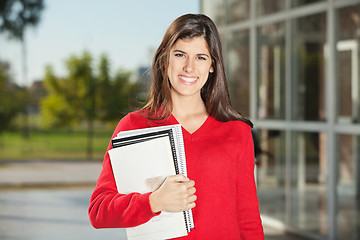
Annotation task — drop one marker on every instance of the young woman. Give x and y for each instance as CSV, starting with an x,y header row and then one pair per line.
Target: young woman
x,y
189,87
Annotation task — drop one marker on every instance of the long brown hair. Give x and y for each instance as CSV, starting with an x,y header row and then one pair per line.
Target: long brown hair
x,y
214,93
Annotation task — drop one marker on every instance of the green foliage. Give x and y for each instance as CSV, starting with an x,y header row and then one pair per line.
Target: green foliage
x,y
70,99
56,111
16,15
12,99
85,96
115,93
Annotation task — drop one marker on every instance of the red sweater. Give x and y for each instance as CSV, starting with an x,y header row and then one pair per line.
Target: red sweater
x,y
220,159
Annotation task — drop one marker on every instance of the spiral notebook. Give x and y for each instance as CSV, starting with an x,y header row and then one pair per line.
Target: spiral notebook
x,y
141,160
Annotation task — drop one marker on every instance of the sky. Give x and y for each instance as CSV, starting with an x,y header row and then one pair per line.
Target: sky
x,y
127,31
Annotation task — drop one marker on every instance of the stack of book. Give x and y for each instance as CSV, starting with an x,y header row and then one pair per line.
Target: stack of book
x,y
141,160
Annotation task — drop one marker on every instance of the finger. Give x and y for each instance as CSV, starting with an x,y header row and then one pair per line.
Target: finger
x,y
178,178
190,184
191,205
191,191
192,198
186,188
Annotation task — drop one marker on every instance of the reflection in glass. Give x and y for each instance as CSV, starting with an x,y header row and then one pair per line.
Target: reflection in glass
x,y
271,75
309,38
348,186
238,10
295,3
270,156
239,70
308,196
215,9
270,6
348,80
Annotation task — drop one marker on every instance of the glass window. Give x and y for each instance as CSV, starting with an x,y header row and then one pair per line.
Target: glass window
x,y
295,3
308,205
215,9
308,68
348,185
238,66
348,53
270,172
239,10
271,71
270,6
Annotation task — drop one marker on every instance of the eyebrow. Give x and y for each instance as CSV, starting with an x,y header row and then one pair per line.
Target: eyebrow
x,y
199,54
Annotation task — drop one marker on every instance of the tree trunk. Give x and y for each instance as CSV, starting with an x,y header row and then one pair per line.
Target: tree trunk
x,y
26,125
90,139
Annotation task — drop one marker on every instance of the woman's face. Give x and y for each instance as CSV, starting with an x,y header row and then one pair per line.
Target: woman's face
x,y
189,66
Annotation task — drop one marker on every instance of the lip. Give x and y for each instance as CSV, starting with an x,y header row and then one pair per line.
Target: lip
x,y
187,80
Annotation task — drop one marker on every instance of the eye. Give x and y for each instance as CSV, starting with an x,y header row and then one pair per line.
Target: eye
x,y
201,58
179,55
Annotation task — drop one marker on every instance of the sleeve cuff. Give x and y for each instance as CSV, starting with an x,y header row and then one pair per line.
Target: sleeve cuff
x,y
146,203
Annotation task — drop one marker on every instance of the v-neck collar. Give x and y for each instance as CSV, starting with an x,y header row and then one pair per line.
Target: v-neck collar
x,y
200,131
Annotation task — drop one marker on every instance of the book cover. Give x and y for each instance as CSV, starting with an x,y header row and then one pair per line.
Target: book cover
x,y
141,161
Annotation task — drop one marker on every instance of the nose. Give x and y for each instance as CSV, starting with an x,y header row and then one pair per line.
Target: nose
x,y
189,65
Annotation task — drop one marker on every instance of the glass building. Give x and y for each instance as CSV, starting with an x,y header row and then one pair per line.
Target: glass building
x,y
293,68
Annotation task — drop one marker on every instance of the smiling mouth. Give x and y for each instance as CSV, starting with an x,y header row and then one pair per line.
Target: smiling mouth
x,y
188,79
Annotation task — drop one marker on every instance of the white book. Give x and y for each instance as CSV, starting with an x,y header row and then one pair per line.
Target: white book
x,y
141,160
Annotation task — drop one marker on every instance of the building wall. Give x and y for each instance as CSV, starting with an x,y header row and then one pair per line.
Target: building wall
x,y
293,68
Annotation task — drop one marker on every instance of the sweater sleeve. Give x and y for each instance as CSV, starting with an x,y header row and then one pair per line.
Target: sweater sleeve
x,y
248,206
110,209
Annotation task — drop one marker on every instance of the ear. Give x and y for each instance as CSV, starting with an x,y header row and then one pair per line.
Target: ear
x,y
211,70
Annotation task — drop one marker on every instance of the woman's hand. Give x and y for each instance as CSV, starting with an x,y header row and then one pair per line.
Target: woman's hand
x,y
176,194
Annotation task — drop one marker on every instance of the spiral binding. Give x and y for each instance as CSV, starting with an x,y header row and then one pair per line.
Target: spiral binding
x,y
180,150
178,167
174,152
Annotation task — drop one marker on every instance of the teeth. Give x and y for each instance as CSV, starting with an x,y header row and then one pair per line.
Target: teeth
x,y
188,79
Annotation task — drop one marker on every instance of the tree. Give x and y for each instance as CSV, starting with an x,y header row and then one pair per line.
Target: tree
x,y
56,110
72,99
115,93
11,98
83,96
15,17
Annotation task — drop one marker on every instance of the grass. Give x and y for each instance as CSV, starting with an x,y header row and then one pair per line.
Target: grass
x,y
52,145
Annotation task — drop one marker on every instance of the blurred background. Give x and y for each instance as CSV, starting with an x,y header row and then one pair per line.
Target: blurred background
x,y
69,70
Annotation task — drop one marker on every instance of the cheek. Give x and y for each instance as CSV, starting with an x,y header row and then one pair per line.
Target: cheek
x,y
170,76
205,73
205,78
169,73
170,69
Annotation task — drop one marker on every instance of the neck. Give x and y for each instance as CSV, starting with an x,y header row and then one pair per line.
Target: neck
x,y
184,107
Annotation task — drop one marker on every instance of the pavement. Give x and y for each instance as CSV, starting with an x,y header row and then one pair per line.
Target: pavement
x,y
82,174
48,173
